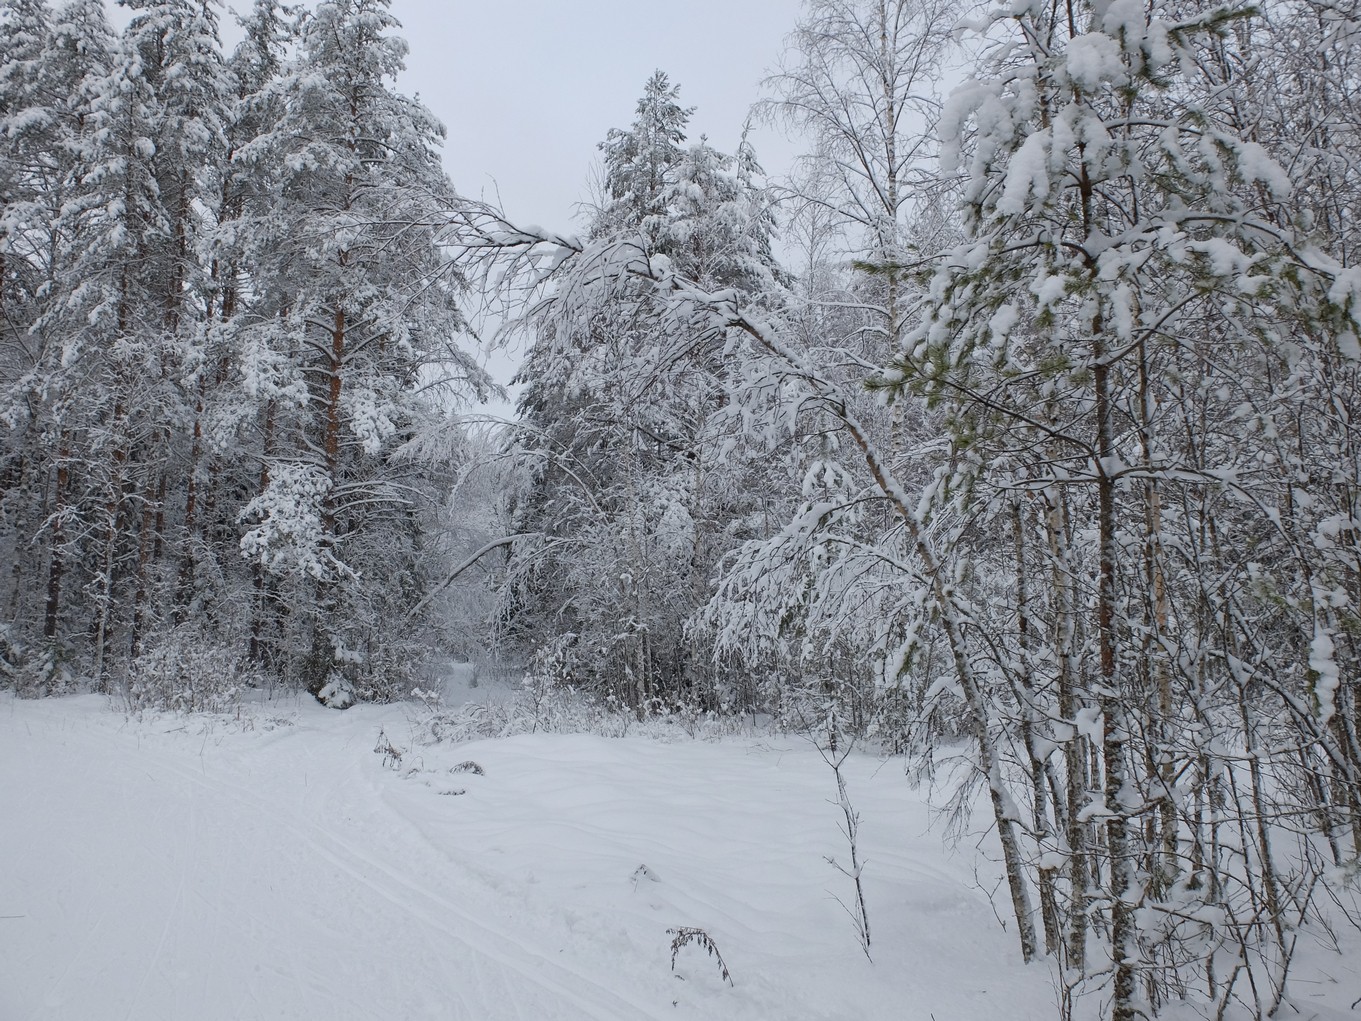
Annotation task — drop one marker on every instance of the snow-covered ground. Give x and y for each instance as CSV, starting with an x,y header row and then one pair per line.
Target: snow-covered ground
x,y
275,866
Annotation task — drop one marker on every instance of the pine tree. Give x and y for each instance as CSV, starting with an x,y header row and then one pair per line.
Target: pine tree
x,y
353,301
219,478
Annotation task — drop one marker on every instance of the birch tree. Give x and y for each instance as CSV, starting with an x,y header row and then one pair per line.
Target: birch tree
x,y
859,84
1131,278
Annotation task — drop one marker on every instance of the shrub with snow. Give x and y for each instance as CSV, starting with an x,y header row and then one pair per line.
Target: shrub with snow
x,y
187,671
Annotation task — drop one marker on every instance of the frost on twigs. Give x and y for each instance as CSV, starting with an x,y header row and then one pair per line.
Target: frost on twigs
x,y
683,935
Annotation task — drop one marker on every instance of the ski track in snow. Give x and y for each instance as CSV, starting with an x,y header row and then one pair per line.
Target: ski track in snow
x,y
189,869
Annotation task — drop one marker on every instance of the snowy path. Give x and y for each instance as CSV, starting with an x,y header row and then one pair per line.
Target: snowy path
x,y
164,870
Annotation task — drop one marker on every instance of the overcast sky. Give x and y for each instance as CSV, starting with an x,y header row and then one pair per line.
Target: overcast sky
x,y
527,88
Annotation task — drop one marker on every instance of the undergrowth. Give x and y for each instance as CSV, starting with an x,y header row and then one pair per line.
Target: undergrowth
x,y
565,710
184,672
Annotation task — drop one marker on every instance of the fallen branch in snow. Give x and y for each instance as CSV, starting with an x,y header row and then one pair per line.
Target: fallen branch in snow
x,y
685,935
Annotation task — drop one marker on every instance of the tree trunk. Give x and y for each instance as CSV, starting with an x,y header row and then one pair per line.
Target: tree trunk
x,y
1115,732
184,586
55,564
1044,832
257,624
1075,752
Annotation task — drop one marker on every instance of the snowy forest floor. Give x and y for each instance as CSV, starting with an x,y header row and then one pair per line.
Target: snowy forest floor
x,y
273,865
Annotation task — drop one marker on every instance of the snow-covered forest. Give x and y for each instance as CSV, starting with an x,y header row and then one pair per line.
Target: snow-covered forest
x,y
1009,435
